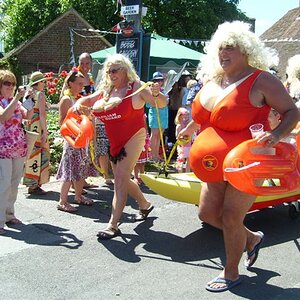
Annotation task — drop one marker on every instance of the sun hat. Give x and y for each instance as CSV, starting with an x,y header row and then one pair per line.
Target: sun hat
x,y
157,75
36,77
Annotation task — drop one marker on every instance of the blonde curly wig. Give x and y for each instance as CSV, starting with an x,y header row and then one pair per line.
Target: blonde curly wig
x,y
237,33
106,84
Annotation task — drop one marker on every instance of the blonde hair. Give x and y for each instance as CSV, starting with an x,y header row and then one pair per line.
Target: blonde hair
x,y
293,73
237,33
181,111
6,74
106,84
293,67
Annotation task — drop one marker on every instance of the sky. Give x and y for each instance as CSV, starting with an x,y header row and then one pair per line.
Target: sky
x,y
266,12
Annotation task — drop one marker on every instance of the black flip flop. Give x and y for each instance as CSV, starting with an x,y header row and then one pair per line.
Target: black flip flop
x,y
108,233
143,214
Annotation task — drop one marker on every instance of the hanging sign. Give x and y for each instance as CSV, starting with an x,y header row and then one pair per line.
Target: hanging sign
x,y
130,10
131,47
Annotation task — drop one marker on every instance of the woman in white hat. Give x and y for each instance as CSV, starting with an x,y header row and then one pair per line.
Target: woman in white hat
x,y
37,165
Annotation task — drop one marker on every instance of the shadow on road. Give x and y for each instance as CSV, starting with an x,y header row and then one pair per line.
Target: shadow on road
x,y
44,234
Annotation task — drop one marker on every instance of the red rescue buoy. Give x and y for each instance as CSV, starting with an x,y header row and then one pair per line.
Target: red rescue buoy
x,y
249,164
78,130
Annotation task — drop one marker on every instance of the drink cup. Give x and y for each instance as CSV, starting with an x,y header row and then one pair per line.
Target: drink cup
x,y
256,129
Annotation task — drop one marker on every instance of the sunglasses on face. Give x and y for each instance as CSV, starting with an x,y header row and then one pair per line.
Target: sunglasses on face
x,y
114,71
158,80
8,83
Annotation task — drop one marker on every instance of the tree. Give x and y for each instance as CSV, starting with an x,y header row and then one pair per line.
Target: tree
x,y
198,19
170,18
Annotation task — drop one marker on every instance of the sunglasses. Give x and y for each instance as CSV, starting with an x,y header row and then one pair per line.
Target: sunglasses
x,y
8,83
114,71
158,80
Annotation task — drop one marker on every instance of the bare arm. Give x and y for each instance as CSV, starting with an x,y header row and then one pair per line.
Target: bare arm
x,y
64,105
270,90
6,113
42,110
187,132
153,95
89,100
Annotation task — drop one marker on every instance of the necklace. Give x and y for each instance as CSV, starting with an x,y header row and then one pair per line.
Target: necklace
x,y
119,90
224,83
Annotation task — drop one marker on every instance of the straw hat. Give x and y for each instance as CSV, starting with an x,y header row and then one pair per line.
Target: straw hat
x,y
36,77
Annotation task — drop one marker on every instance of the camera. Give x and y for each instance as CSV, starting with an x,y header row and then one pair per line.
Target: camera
x,y
22,87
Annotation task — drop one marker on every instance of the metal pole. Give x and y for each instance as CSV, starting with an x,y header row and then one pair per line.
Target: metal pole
x,y
136,18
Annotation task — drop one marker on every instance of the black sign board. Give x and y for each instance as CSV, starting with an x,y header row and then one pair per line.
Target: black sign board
x,y
131,47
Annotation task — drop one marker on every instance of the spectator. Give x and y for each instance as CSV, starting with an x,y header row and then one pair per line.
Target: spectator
x,y
158,122
37,165
13,147
74,165
183,150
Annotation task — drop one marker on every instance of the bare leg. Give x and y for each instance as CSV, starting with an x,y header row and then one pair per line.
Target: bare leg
x,y
104,165
229,216
211,208
187,168
136,193
78,185
65,187
136,170
123,184
155,142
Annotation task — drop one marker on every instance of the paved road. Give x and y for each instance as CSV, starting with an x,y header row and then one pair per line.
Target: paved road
x,y
172,255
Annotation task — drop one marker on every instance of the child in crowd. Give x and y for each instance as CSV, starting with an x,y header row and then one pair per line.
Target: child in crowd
x,y
74,165
183,150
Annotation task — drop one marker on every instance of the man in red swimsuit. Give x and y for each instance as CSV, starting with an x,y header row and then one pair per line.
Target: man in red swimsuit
x,y
238,94
119,104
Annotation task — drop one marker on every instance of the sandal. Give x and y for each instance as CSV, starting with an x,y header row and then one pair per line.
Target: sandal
x,y
108,182
84,201
108,233
143,214
14,221
66,208
36,191
84,192
254,253
90,186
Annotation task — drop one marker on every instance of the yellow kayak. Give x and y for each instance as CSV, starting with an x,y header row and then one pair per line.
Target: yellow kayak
x,y
185,187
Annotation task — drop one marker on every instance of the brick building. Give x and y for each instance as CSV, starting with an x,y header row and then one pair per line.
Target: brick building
x,y
50,49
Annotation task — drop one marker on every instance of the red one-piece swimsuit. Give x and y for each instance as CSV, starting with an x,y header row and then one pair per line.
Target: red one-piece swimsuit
x,y
121,123
226,126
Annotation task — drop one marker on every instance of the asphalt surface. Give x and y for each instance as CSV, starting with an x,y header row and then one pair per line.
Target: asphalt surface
x,y
171,255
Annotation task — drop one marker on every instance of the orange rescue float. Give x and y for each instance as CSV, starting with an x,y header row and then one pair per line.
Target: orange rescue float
x,y
249,164
78,130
